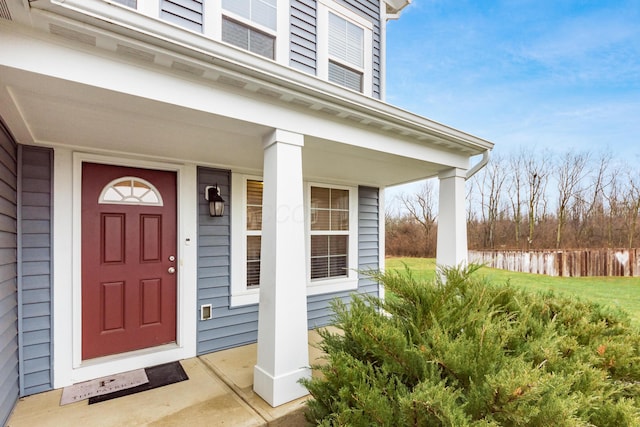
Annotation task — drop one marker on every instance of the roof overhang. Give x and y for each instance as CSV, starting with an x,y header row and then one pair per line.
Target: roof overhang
x,y
394,7
399,141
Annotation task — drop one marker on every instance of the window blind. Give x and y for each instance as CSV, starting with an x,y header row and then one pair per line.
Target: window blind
x,y
261,12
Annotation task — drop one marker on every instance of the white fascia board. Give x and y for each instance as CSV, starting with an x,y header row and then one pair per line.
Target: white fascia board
x,y
281,79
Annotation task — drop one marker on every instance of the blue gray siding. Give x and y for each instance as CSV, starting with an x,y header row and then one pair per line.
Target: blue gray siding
x,y
9,380
35,269
370,10
319,311
303,32
303,35
186,13
368,237
230,327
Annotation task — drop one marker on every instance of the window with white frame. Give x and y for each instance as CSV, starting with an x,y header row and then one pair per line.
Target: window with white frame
x,y
253,232
329,232
332,238
345,47
250,25
246,233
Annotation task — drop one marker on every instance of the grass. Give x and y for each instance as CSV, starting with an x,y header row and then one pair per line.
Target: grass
x,y
620,292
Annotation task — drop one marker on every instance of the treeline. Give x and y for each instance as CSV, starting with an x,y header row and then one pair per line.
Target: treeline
x,y
530,200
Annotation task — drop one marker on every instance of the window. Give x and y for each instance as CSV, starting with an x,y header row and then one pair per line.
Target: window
x,y
333,238
346,52
329,232
253,232
130,190
246,234
250,25
345,47
247,38
261,12
345,76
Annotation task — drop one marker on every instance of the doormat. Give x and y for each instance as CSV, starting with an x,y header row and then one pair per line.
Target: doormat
x,y
159,376
102,386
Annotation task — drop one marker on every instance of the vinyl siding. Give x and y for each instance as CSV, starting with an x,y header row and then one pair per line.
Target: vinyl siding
x,y
319,311
9,379
303,35
229,327
370,10
368,237
185,13
303,43
35,268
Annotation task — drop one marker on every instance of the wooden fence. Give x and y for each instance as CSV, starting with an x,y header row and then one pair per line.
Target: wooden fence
x,y
567,263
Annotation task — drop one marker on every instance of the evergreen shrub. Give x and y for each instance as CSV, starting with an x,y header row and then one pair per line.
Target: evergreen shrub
x,y
463,352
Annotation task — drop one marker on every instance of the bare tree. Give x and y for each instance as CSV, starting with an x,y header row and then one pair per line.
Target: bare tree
x,y
631,201
489,183
590,208
613,196
569,173
514,190
422,208
537,176
526,201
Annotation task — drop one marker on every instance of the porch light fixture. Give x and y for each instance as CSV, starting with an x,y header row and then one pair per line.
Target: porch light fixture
x,y
216,203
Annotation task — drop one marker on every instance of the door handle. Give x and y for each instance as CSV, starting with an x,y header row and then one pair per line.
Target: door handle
x,y
171,270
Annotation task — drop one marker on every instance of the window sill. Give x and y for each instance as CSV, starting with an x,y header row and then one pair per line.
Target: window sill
x,y
245,298
313,288
333,285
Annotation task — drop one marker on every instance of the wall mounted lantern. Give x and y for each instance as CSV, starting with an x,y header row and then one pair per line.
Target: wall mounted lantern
x,y
216,203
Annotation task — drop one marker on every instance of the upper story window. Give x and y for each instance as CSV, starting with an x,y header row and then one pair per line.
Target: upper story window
x,y
260,12
345,47
251,25
346,52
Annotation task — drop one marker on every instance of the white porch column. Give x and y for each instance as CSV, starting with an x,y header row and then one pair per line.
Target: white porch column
x,y
283,354
452,219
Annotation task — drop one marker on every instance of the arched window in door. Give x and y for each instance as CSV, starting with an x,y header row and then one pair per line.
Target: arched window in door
x,y
130,190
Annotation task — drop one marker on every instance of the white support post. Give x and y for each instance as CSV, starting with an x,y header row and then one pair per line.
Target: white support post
x,y
283,353
452,221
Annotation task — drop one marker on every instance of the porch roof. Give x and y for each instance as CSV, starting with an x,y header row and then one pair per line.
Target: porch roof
x,y
53,104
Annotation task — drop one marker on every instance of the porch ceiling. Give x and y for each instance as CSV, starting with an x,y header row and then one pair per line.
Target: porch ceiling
x,y
44,110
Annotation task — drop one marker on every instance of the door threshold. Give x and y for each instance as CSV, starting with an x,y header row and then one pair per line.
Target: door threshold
x,y
123,362
128,355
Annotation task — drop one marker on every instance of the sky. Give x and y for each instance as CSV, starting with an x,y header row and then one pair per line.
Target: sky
x,y
553,74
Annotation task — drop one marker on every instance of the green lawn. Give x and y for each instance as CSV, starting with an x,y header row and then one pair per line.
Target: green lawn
x,y
623,292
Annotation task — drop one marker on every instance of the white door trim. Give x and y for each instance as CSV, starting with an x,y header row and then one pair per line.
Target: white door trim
x,y
69,367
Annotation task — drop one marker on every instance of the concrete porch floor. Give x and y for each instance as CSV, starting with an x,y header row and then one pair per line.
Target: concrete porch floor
x,y
219,392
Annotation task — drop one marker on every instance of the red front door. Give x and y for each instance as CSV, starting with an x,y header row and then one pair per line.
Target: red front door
x,y
128,259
